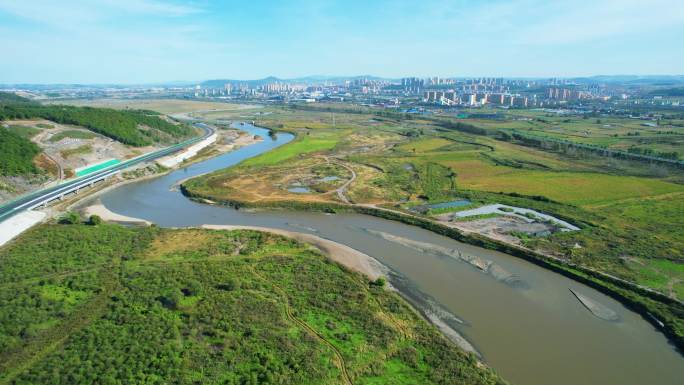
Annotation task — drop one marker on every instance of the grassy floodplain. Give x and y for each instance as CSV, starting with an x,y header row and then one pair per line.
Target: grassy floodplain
x,y
630,212
306,144
108,304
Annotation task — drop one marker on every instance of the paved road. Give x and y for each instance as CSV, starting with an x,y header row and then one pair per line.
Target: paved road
x,y
36,198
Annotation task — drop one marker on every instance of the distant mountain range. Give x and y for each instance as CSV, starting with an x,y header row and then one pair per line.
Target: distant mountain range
x,y
636,80
217,83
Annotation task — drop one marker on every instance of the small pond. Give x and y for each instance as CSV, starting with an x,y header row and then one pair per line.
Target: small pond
x,y
299,189
444,205
330,178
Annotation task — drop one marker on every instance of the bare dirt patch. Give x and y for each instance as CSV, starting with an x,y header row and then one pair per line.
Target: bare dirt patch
x,y
500,228
311,180
177,242
72,147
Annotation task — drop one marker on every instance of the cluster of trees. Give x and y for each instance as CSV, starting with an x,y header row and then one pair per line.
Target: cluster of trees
x,y
229,312
651,152
132,127
17,154
9,97
463,127
560,145
49,277
74,218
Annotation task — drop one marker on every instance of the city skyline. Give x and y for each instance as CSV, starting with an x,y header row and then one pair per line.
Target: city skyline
x,y
136,42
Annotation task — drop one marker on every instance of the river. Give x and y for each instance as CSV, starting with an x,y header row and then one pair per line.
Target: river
x,y
529,326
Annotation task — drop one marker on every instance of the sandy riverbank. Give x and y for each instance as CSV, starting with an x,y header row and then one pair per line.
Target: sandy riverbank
x,y
342,254
100,210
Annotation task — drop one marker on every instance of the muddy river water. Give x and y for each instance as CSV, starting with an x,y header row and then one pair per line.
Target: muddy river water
x,y
523,320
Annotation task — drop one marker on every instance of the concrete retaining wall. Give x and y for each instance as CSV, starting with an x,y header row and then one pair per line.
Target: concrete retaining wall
x,y
175,159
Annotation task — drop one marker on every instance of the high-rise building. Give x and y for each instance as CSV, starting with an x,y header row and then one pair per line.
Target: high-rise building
x,y
412,85
495,98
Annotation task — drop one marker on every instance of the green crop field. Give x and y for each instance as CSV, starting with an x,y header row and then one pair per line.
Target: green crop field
x,y
580,189
107,304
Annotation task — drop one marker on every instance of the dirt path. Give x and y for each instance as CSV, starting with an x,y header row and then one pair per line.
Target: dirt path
x,y
60,175
670,287
339,360
342,190
52,276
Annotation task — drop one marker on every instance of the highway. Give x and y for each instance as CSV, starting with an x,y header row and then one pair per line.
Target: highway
x,y
44,196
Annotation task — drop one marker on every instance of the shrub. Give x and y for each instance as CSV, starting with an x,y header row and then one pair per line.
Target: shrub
x,y
94,220
70,218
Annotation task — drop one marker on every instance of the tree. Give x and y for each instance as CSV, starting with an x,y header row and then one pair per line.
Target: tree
x,y
452,178
94,220
70,218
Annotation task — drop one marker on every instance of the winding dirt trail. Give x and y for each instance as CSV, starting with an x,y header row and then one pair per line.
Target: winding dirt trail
x,y
342,190
339,360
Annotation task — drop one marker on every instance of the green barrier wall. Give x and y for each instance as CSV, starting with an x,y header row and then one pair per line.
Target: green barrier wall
x,y
97,167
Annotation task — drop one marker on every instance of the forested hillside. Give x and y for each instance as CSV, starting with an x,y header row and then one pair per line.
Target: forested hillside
x,y
107,304
17,153
135,127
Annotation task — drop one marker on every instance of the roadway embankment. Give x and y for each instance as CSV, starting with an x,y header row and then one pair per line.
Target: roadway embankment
x,y
175,159
19,223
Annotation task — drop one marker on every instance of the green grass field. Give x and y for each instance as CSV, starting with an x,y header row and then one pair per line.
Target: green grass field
x,y
425,145
317,141
582,189
27,132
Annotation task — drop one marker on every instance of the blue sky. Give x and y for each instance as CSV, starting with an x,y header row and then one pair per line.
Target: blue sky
x,y
144,41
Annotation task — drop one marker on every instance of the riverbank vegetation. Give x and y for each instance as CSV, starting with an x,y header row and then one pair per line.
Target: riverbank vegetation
x,y
108,304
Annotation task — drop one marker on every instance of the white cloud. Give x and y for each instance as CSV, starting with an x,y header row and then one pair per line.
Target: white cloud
x,y
153,7
69,14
